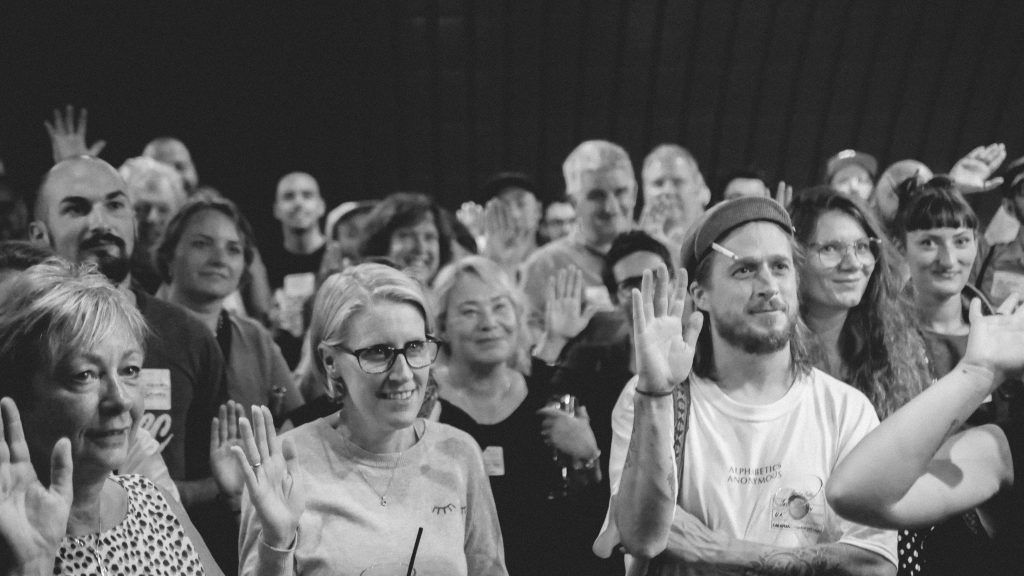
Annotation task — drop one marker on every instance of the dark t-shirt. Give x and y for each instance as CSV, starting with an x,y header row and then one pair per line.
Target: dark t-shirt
x,y
542,535
287,272
180,347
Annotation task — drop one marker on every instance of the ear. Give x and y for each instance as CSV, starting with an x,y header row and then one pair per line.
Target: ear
x,y
699,296
277,209
326,355
38,232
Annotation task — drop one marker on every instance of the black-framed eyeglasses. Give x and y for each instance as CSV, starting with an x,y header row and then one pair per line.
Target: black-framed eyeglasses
x,y
830,254
379,358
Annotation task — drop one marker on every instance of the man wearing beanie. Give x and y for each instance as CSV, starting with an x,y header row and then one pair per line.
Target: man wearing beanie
x,y
724,441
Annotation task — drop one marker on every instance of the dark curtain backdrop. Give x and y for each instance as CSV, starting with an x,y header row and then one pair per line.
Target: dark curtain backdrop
x,y
433,95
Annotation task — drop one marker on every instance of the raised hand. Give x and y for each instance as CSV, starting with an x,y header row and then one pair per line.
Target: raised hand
x,y
784,194
33,518
664,346
974,170
224,467
996,342
67,136
471,215
506,242
564,314
271,476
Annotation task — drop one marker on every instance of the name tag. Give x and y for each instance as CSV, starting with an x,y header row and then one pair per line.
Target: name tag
x,y
494,461
300,285
156,386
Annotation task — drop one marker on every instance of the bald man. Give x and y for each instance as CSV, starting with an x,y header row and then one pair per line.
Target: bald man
x,y
292,266
83,212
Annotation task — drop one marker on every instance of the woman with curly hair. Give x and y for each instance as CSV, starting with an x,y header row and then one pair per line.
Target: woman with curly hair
x,y
410,230
851,300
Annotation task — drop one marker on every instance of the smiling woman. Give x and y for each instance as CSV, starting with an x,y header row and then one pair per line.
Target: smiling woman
x,y
72,349
347,493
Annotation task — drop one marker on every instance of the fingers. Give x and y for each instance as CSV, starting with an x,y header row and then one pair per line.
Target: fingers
x,y
83,119
647,291
661,290
581,412
15,434
260,432
247,469
251,456
291,463
271,431
234,411
61,470
692,329
639,322
679,290
96,148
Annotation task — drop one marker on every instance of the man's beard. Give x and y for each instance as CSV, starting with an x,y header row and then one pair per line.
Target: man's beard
x,y
752,341
114,266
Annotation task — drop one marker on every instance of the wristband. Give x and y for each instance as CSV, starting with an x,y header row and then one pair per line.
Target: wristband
x,y
654,394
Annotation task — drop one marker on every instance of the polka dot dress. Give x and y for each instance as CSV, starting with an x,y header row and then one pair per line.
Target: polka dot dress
x,y
911,551
149,540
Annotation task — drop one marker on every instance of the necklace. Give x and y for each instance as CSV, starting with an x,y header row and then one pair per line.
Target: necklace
x,y
383,496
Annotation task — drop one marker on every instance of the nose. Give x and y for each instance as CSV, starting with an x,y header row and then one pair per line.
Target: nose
x,y
487,319
98,219
116,395
400,370
767,284
153,215
849,259
946,256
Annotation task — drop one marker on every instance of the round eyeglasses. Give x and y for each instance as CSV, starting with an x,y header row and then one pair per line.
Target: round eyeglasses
x,y
830,254
380,358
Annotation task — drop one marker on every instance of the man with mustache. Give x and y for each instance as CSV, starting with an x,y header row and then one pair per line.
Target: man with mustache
x,y
83,212
600,183
723,467
292,265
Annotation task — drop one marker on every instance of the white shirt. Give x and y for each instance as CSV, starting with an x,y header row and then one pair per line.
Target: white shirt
x,y
757,472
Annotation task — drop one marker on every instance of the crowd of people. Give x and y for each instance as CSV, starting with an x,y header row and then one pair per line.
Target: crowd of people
x,y
819,380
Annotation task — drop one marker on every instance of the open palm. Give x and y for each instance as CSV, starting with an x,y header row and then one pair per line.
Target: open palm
x,y
664,351
271,476
33,518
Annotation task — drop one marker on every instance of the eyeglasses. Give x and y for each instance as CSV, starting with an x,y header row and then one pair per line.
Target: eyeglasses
x,y
830,254
381,357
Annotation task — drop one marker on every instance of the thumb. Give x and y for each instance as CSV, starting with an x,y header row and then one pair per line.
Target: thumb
x,y
581,412
692,328
61,469
96,148
974,312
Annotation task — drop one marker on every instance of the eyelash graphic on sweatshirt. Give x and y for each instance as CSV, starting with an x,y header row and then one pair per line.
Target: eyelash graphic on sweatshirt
x,y
444,510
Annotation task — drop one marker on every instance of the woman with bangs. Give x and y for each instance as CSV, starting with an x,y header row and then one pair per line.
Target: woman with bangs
x,y
851,300
936,231
71,346
486,388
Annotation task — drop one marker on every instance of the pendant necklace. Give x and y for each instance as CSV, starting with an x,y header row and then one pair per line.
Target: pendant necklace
x,y
382,496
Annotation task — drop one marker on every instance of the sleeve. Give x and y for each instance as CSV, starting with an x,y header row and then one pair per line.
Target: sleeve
x,y
860,419
485,550
622,431
1014,430
255,557
280,376
209,390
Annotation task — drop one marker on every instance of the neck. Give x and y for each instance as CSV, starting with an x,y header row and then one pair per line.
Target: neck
x,y
206,310
826,323
126,288
942,315
86,516
752,378
369,436
479,380
303,241
591,240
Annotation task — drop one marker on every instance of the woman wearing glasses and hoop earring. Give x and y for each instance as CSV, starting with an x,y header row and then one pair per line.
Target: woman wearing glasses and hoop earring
x,y
348,492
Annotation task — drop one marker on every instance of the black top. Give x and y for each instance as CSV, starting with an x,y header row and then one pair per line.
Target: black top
x,y
542,535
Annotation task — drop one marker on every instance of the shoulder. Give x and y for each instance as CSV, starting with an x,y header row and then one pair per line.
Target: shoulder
x,y
841,394
250,329
166,317
548,253
450,440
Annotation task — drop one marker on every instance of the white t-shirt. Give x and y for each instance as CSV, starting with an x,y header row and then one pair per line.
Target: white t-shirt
x,y
758,473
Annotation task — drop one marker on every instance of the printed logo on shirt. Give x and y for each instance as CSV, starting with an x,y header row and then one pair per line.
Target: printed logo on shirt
x,y
159,426
798,504
755,476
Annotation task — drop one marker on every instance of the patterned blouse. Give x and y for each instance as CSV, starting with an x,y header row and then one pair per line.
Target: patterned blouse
x,y
149,540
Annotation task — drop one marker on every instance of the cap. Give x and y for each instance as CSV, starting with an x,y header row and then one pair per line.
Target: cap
x,y
725,217
850,158
343,210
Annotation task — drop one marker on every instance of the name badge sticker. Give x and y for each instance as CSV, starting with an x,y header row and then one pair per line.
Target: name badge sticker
x,y
494,461
300,285
156,386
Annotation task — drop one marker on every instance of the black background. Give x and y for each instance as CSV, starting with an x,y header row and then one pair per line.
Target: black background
x,y
377,96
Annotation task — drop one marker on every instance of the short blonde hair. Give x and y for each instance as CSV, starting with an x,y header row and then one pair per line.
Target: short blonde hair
x,y
142,172
488,272
52,311
344,295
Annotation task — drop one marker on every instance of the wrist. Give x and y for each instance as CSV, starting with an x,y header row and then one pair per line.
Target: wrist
x,y
979,375
279,543
586,464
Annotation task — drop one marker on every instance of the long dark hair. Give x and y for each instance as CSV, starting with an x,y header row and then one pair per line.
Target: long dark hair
x,y
879,343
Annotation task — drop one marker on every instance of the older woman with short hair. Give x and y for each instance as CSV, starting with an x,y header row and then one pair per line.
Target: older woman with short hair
x,y
72,350
348,493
